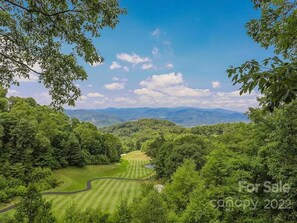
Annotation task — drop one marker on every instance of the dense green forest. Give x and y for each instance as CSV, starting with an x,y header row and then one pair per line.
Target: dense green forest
x,y
205,169
135,134
35,139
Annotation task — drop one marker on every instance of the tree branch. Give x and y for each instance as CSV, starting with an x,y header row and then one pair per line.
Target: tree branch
x,y
46,14
19,62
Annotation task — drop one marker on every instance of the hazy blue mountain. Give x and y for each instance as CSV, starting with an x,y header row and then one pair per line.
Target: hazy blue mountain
x,y
182,115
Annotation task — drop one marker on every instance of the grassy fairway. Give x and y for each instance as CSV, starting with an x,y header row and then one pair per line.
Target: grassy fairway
x,y
106,193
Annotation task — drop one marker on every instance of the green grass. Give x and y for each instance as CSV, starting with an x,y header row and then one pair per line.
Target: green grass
x,y
105,194
75,178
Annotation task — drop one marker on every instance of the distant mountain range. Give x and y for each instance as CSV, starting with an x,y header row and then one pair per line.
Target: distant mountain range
x,y
183,116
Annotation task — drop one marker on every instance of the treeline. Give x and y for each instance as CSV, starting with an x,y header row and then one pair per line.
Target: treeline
x,y
134,134
35,139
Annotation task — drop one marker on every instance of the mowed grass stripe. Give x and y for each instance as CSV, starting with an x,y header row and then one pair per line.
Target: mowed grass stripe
x,y
132,191
103,196
130,169
136,175
89,197
113,201
125,195
55,201
134,169
107,193
59,204
140,169
99,195
129,173
110,193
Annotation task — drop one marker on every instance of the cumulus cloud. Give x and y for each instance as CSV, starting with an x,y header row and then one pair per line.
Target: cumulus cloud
x,y
215,84
156,32
133,58
147,66
83,98
11,92
104,101
169,66
124,100
147,92
114,65
32,78
183,91
163,81
96,64
236,94
115,86
171,84
95,95
43,97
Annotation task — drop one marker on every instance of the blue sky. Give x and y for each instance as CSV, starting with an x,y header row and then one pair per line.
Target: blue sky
x,y
168,53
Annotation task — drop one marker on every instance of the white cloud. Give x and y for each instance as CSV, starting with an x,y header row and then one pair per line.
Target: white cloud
x,y
147,92
96,64
43,97
126,68
133,58
155,51
115,79
124,100
171,85
169,66
95,95
236,94
83,98
162,81
90,85
115,86
156,32
146,66
32,78
114,65
183,91
215,84
12,92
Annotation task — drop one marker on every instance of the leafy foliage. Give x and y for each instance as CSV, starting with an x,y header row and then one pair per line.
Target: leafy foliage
x,y
275,77
35,139
134,134
31,36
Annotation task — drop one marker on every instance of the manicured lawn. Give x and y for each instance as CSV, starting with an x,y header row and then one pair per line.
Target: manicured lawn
x,y
105,193
75,178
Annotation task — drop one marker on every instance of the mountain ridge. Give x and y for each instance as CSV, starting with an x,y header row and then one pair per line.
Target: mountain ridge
x,y
184,116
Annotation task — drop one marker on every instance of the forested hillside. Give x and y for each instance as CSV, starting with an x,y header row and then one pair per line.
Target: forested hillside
x,y
35,139
135,133
225,173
